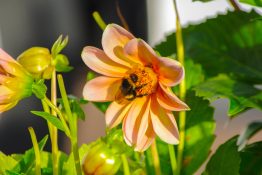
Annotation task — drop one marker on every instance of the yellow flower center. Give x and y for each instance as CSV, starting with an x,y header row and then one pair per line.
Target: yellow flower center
x,y
138,82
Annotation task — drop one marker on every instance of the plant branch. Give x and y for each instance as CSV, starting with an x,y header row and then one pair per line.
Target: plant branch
x,y
182,91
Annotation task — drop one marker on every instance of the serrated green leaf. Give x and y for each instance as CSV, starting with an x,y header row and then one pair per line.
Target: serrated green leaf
x,y
6,163
241,95
252,2
250,130
226,160
51,118
200,128
26,164
228,44
251,159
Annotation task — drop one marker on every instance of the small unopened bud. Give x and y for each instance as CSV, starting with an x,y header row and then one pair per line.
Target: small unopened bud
x,y
37,60
101,160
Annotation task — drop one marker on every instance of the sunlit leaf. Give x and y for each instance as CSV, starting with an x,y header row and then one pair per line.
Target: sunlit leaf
x,y
200,128
252,2
26,164
6,162
226,160
241,95
51,118
228,44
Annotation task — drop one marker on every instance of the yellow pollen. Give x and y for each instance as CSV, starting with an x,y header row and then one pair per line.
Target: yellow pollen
x,y
138,82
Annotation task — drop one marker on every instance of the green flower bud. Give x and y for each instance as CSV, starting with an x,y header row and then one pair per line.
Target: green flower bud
x,y
37,61
101,160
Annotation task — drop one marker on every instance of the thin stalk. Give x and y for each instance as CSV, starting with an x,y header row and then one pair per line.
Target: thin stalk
x,y
125,165
54,134
61,117
182,91
155,156
36,150
120,16
72,120
234,5
101,23
172,156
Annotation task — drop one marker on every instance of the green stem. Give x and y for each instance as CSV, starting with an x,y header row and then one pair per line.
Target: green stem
x,y
172,156
125,165
61,117
182,91
101,23
36,150
54,129
72,120
155,156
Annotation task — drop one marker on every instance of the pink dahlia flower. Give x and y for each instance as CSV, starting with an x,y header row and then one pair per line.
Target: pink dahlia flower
x,y
138,82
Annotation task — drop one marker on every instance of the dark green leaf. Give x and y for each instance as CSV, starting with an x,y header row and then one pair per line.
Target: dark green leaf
x,y
250,130
200,128
241,95
225,161
228,44
253,2
102,106
26,164
251,159
51,118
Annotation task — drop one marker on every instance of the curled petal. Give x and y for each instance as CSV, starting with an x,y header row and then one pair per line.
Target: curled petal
x,y
139,51
101,89
170,71
114,37
168,100
99,62
116,112
132,121
5,56
164,123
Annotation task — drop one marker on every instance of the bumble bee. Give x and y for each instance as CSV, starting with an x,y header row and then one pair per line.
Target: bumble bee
x,y
128,88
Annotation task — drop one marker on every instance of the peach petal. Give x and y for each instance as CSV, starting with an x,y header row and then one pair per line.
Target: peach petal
x,y
140,52
113,37
144,142
170,71
133,119
99,62
164,123
8,106
168,100
116,112
101,89
5,56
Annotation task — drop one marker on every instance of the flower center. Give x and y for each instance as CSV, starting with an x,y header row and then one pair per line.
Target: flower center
x,y
138,82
